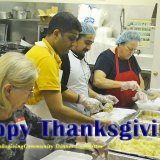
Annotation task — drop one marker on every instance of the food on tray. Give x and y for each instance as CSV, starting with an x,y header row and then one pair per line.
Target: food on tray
x,y
149,116
108,107
141,146
150,133
150,113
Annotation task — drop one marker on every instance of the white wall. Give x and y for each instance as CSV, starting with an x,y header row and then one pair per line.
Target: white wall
x,y
114,13
155,76
114,22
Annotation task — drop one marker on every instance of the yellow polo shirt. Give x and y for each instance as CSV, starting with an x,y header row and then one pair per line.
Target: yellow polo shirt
x,y
48,64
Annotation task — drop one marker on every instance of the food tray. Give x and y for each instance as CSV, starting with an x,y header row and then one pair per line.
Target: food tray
x,y
144,147
119,156
117,115
67,155
146,124
148,116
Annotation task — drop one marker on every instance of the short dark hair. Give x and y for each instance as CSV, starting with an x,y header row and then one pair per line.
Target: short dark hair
x,y
65,22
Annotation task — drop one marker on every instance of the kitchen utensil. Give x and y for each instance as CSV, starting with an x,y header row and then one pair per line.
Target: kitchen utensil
x,y
21,14
5,15
29,14
3,32
13,45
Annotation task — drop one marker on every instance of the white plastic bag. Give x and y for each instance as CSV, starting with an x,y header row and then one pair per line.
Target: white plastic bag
x,y
92,15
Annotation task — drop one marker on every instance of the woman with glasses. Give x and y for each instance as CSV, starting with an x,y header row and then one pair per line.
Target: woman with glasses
x,y
117,72
17,78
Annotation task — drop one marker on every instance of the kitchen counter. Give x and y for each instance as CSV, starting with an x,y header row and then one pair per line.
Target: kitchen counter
x,y
112,155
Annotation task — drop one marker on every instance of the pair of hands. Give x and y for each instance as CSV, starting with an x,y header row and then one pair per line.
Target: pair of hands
x,y
99,152
133,85
94,105
140,96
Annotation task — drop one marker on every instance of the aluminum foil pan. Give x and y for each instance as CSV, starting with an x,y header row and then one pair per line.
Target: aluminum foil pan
x,y
148,116
144,147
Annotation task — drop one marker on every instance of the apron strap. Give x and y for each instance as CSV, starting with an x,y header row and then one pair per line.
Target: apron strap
x,y
117,62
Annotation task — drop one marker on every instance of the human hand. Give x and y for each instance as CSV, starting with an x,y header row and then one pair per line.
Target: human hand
x,y
101,151
133,85
107,99
91,104
140,96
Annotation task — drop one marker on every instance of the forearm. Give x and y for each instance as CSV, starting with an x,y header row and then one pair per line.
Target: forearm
x,y
70,96
69,115
104,83
61,112
92,93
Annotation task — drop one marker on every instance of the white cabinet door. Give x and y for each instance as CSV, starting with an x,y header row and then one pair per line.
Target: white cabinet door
x,y
155,76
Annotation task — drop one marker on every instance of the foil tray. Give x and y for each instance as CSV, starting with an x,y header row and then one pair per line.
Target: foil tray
x,y
134,154
120,156
117,115
148,115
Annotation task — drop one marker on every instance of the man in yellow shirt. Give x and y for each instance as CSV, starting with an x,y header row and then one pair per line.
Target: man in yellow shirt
x,y
63,31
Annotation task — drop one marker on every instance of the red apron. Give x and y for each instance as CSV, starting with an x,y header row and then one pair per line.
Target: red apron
x,y
124,97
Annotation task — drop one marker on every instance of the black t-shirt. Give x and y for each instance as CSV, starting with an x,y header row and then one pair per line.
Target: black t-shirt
x,y
65,67
106,62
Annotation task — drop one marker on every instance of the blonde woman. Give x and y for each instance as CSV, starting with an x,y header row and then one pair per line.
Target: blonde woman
x,y
17,78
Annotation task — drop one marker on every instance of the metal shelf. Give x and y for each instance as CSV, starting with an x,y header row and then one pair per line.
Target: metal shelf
x,y
35,20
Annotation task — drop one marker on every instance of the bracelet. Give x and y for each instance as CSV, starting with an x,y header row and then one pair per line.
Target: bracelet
x,y
86,139
78,99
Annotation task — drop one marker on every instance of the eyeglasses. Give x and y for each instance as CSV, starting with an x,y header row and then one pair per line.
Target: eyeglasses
x,y
133,50
29,92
